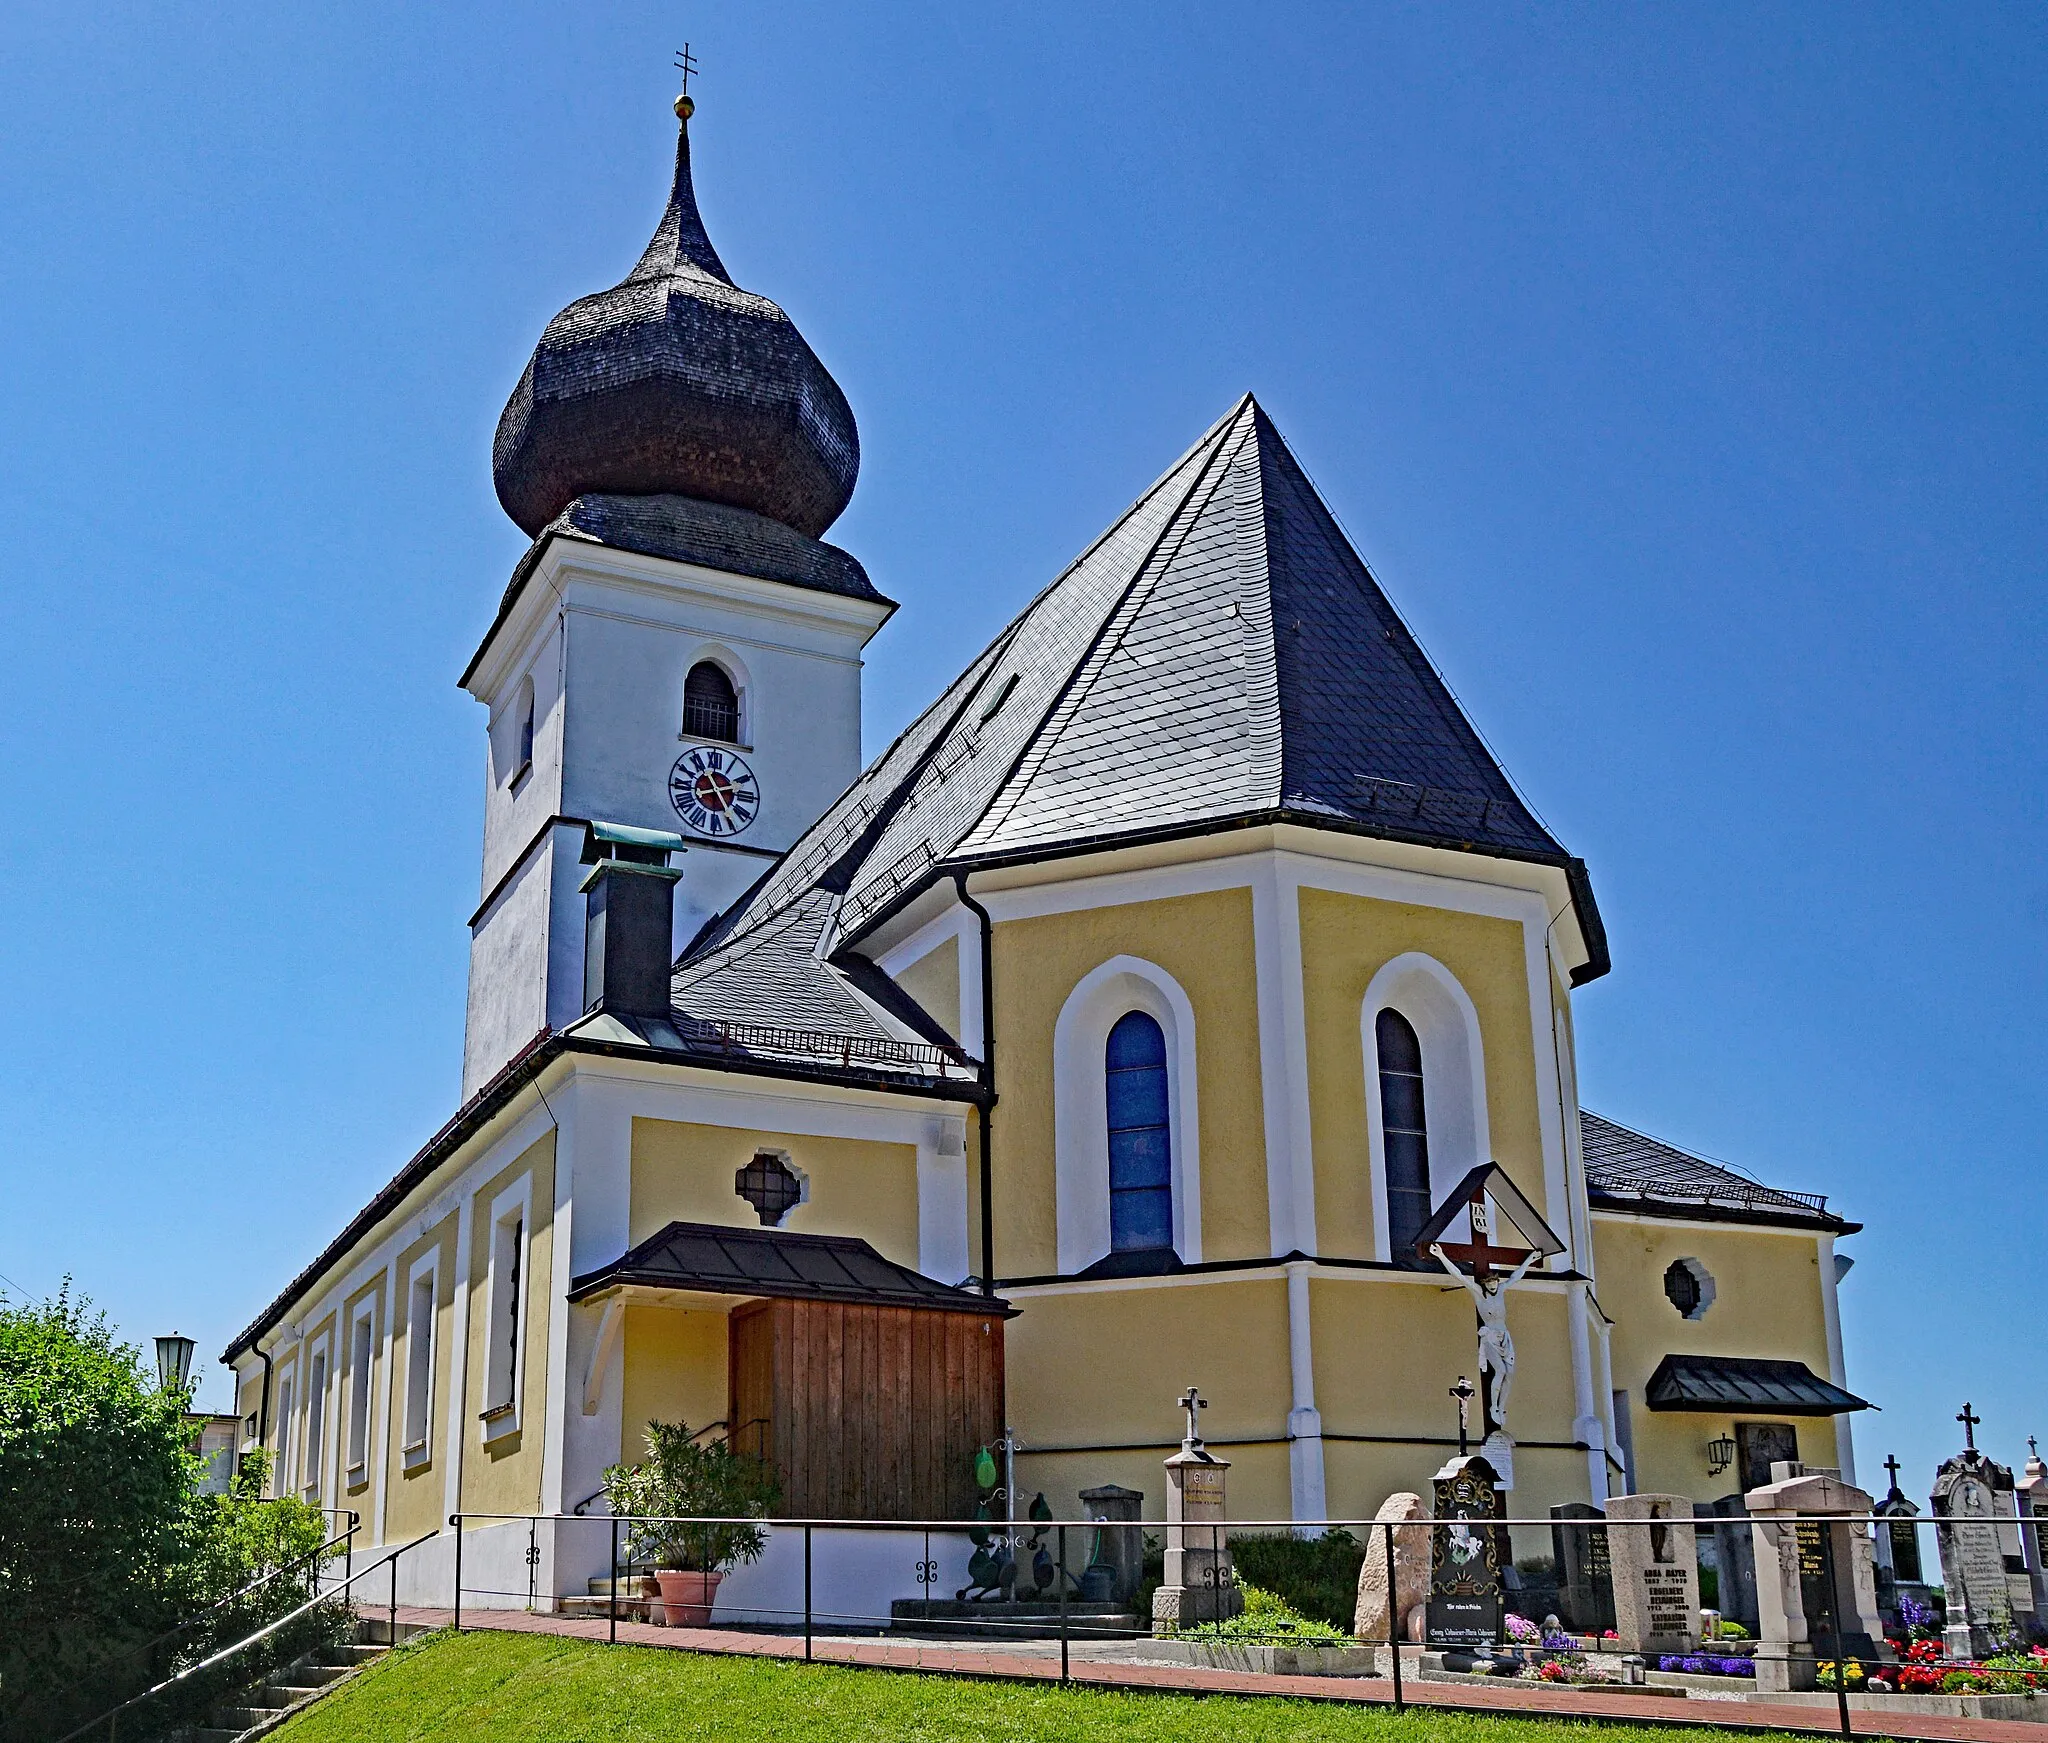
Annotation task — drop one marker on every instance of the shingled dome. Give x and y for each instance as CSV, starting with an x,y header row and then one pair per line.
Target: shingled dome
x,y
676,382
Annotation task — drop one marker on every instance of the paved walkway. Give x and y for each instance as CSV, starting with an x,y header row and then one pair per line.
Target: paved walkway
x,y
1097,1664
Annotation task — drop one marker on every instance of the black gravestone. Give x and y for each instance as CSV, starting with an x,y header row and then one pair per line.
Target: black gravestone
x,y
1585,1580
1464,1563
1735,1561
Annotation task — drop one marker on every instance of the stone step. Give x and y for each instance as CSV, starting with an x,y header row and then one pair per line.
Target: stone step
x,y
599,1605
239,1719
347,1657
210,1734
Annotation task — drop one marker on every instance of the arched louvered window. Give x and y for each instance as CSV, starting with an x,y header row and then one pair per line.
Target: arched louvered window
x,y
711,706
1405,1129
1140,1141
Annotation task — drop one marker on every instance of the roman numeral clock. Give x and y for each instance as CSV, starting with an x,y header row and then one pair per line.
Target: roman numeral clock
x,y
714,791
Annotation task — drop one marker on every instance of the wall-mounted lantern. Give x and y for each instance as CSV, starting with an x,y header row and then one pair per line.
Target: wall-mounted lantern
x,y
1720,1455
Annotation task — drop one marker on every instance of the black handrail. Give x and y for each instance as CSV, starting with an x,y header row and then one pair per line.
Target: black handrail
x,y
227,1652
312,1555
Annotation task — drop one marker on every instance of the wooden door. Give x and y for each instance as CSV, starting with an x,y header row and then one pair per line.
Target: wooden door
x,y
867,1412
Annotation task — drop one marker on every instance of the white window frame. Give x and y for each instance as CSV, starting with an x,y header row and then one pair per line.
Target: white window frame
x,y
1446,1024
362,1403
417,1450
319,1382
504,1393
1081,1106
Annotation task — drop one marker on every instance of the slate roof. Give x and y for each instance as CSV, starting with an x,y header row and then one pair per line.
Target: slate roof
x,y
676,381
1744,1383
1221,655
1627,1170
777,1264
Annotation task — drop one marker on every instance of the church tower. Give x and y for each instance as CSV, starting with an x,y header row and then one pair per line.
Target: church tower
x,y
678,650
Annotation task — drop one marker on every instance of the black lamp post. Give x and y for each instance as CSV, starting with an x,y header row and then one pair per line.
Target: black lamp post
x,y
174,1362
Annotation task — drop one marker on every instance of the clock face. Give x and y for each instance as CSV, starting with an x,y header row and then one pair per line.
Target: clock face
x,y
713,791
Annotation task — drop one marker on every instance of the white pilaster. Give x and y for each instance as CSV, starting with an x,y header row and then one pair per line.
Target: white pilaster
x,y
1308,1495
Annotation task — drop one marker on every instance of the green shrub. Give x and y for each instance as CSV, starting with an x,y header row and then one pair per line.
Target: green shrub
x,y
1317,1577
682,1480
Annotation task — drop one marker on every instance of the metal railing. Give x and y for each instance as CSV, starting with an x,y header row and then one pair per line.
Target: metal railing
x,y
1833,1639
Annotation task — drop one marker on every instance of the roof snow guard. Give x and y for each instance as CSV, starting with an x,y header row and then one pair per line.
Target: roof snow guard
x,y
1220,657
1626,1170
711,1259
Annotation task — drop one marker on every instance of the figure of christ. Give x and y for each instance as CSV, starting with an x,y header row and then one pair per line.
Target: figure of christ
x,y
1496,1347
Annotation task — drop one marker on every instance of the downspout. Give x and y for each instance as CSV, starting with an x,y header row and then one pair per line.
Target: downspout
x,y
988,1081
263,1409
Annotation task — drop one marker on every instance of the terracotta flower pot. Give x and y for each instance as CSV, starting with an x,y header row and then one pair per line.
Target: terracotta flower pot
x,y
686,1598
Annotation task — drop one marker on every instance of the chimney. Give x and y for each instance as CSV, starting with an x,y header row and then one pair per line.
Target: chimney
x,y
629,924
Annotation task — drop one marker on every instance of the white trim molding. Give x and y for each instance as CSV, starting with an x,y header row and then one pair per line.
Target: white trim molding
x,y
1081,1106
1446,1023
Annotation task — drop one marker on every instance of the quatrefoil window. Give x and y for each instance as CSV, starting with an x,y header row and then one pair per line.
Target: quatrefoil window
x,y
770,1186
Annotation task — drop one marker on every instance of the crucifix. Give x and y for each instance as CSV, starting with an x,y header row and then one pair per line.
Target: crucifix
x,y
1489,1298
1891,1466
1463,1392
1192,1401
1970,1421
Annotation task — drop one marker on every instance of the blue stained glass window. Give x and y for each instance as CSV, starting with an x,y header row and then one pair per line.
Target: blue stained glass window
x,y
1140,1138
1405,1128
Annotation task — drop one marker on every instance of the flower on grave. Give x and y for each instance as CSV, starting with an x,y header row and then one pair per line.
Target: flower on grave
x,y
1522,1631
1558,1642
1551,1670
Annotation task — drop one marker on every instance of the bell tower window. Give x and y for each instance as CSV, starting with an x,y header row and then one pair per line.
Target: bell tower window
x,y
711,706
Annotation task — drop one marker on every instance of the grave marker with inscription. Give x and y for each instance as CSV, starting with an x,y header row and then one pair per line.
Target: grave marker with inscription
x,y
1656,1572
1465,1609
1200,1583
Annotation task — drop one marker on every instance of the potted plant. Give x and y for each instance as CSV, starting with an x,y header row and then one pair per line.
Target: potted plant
x,y
680,1484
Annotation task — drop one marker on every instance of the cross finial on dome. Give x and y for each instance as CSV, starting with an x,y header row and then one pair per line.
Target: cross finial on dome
x,y
687,63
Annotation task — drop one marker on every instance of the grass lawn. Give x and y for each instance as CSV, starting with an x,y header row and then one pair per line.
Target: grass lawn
x,y
512,1688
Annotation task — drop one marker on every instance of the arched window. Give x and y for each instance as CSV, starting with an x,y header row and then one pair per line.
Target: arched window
x,y
711,706
1140,1143
1406,1132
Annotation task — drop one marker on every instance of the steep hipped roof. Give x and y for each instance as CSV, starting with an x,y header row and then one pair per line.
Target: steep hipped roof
x,y
1220,655
1627,1170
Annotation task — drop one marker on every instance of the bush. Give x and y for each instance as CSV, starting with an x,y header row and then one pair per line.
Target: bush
x,y
1268,1621
682,1480
112,1564
1316,1577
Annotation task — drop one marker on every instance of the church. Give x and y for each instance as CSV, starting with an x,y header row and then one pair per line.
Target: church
x,y
1184,997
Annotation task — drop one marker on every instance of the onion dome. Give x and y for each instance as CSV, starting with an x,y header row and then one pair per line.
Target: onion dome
x,y
676,382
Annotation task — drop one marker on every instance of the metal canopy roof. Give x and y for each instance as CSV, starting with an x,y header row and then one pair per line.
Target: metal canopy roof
x,y
711,1259
1740,1383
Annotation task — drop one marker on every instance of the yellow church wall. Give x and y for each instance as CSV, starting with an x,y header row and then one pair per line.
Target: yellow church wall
x,y
1205,943
675,1361
934,981
1345,941
414,1496
1073,1388
684,1173
502,1474
1767,1303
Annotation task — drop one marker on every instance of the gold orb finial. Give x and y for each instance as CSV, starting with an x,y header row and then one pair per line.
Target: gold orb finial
x,y
686,106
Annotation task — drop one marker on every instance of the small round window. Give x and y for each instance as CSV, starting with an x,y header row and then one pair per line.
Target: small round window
x,y
1689,1287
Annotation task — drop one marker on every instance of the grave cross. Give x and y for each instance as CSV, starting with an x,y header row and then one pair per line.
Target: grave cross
x,y
1192,1401
1969,1420
1464,1392
1891,1466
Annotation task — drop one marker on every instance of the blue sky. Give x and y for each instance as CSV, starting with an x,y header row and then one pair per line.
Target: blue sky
x,y
1678,370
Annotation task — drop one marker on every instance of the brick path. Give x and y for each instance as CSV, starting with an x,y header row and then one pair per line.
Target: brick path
x,y
1091,1667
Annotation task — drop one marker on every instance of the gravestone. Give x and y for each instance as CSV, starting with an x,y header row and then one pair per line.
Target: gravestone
x,y
1119,1549
1585,1582
1983,1568
1200,1584
1806,1529
1371,1620
2032,1494
1656,1571
1465,1609
1735,1560
1896,1539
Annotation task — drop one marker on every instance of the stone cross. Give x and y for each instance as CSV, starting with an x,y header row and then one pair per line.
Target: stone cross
x,y
1192,1401
1970,1423
1891,1466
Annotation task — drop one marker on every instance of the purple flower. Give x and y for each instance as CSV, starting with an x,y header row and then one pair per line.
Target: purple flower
x,y
1670,1664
